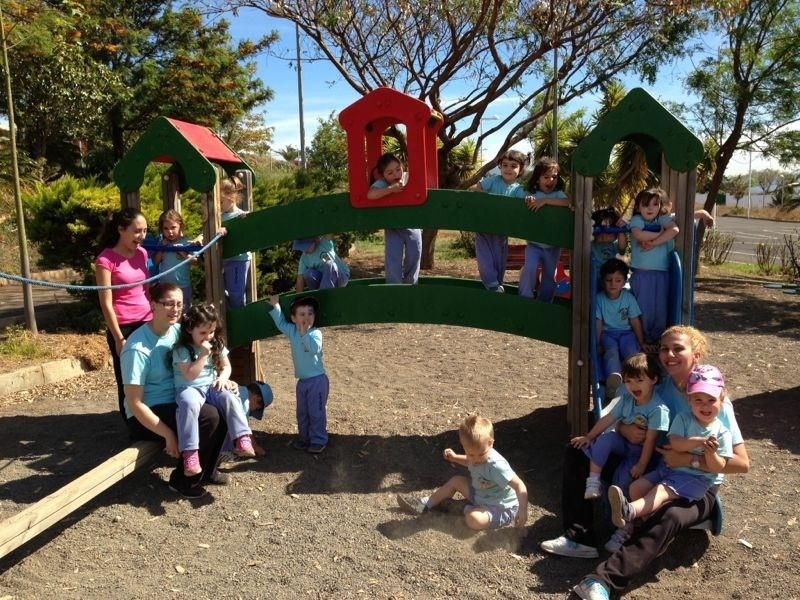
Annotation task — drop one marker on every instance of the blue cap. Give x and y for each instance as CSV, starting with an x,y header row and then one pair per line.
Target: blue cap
x,y
266,397
304,244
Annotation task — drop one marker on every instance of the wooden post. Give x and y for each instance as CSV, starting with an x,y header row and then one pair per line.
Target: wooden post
x,y
170,191
130,200
580,271
215,284
29,523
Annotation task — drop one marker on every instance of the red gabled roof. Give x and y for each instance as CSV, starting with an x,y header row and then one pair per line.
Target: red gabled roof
x,y
206,142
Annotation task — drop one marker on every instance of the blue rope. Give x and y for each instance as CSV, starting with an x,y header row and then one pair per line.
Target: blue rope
x,y
121,286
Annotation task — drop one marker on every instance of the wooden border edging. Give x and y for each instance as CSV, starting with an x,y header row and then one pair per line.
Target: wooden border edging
x,y
29,523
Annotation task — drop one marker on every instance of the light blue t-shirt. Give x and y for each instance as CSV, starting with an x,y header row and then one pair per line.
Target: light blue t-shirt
x,y
306,349
179,277
676,400
490,481
180,354
685,425
655,259
144,362
603,251
653,414
494,184
616,314
234,213
324,252
558,194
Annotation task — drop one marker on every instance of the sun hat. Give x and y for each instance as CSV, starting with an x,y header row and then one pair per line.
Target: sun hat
x,y
266,397
304,244
706,379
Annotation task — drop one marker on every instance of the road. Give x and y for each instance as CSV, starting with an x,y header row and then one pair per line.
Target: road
x,y
750,232
44,299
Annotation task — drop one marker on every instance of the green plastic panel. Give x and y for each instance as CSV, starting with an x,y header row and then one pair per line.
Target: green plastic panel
x,y
639,118
445,209
160,140
443,302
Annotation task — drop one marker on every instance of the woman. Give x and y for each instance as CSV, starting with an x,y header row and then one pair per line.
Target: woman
x,y
681,349
122,261
150,392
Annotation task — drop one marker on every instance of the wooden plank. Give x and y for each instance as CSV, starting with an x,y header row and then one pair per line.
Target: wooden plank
x,y
29,523
687,257
130,200
170,191
215,285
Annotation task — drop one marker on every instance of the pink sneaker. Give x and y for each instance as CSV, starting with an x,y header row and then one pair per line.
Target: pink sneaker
x,y
243,447
191,462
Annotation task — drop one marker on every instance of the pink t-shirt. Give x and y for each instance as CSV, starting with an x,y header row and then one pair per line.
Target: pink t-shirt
x,y
130,304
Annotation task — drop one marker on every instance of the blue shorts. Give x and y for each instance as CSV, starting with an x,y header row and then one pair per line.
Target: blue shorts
x,y
686,485
499,516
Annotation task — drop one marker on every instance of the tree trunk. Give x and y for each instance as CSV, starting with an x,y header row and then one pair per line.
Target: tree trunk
x,y
428,247
447,180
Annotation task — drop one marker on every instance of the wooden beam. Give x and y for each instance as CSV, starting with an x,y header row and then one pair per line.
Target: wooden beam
x,y
29,523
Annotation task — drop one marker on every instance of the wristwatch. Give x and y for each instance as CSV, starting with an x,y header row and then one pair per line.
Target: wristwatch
x,y
695,463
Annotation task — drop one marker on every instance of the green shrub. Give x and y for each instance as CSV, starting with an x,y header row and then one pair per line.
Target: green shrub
x,y
18,341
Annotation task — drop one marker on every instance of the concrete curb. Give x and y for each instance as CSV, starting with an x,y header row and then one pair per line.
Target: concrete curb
x,y
50,372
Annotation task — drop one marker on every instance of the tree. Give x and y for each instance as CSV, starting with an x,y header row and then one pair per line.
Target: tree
x,y
327,156
248,135
494,49
737,187
748,90
784,146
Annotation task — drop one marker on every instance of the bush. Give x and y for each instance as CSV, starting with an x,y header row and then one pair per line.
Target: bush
x,y
766,256
466,242
716,247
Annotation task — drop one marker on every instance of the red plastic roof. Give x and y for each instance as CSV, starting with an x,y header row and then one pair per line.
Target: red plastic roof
x,y
206,142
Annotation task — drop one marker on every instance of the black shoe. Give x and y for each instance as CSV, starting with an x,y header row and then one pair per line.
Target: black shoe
x,y
299,444
186,488
316,448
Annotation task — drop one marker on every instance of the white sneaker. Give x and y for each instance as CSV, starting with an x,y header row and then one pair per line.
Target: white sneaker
x,y
619,537
563,546
613,383
593,488
591,589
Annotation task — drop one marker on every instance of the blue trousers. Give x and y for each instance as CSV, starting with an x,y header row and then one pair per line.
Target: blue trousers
x,y
235,275
534,256
191,399
329,277
609,443
492,254
618,345
312,415
650,289
401,254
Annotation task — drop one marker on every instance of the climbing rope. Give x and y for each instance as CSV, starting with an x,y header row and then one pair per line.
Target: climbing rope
x,y
121,286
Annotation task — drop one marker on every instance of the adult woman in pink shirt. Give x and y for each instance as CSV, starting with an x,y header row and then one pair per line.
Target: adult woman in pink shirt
x,y
122,261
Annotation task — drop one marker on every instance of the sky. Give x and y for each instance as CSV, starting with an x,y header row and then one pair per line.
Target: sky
x,y
324,92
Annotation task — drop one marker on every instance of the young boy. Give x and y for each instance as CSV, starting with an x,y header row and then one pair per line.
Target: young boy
x,y
618,323
319,267
491,250
254,397
312,385
495,494
700,433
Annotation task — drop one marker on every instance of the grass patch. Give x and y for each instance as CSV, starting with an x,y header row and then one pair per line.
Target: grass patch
x,y
20,343
735,269
446,250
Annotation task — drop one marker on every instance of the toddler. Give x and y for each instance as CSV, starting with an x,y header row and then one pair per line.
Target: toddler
x,y
617,323
649,261
700,433
236,268
548,189
319,266
170,224
254,398
496,496
312,381
607,245
403,247
201,370
491,250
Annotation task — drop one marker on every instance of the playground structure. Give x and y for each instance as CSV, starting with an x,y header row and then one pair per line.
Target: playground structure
x,y
671,150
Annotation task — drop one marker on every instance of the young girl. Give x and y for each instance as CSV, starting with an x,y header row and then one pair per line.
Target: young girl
x,y
491,250
170,224
702,434
649,261
236,268
547,188
201,370
403,247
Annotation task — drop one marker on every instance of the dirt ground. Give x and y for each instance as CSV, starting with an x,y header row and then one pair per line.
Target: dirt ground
x,y
296,526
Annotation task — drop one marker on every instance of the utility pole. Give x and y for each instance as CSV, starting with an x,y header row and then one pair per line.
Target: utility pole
x,y
554,132
27,290
303,163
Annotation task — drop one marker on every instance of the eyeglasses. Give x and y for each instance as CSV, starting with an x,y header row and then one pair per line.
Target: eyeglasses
x,y
170,304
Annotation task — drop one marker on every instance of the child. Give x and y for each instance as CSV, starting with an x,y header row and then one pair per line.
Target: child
x,y
495,494
617,322
254,398
649,261
236,268
170,224
639,404
201,370
388,178
547,188
312,381
491,250
700,433
607,245
319,266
